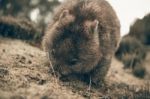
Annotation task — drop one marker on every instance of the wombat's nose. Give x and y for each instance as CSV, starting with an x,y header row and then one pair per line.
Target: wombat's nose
x,y
73,61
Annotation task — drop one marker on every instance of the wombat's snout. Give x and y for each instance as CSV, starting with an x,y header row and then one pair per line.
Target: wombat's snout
x,y
72,61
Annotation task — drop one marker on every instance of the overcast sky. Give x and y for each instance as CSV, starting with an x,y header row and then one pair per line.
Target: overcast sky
x,y
128,11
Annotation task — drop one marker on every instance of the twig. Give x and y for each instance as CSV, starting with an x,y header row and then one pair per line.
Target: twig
x,y
89,89
132,61
88,93
52,67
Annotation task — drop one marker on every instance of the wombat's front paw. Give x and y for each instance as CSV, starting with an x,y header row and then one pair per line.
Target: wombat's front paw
x,y
100,82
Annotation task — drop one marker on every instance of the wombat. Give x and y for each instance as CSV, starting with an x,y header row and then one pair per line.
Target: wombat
x,y
82,38
132,53
139,70
141,30
20,29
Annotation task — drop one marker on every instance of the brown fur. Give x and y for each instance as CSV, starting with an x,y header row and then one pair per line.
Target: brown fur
x,y
72,43
19,28
141,30
132,53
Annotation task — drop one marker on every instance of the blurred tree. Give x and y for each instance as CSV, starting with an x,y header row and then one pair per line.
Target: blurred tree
x,y
26,8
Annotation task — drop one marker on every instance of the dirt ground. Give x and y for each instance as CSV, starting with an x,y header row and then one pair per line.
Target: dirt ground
x,y
25,74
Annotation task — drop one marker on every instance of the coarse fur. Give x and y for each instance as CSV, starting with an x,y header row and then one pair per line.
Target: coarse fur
x,y
132,53
82,38
139,69
134,46
20,29
141,30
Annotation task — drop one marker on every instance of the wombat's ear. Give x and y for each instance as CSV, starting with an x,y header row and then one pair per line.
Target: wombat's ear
x,y
64,14
94,26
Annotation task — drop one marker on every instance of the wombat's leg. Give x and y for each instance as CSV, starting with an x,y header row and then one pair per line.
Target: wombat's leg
x,y
99,73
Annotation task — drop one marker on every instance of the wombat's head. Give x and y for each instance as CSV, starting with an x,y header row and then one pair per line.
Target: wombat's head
x,y
73,45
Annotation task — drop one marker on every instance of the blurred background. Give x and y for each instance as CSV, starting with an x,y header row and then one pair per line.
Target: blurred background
x,y
40,11
129,10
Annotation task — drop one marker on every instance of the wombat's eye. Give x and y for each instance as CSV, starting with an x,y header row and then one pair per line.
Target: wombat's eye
x,y
72,61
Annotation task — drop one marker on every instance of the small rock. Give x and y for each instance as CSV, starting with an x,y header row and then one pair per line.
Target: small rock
x,y
29,61
45,97
22,60
17,97
87,94
3,72
42,82
4,50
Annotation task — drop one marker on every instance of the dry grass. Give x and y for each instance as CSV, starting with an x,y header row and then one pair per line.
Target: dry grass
x,y
24,73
